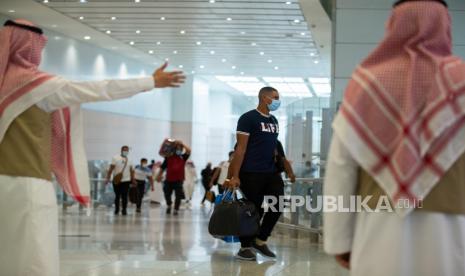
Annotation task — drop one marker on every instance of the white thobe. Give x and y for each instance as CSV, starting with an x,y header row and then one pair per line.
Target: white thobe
x,y
28,209
385,244
189,181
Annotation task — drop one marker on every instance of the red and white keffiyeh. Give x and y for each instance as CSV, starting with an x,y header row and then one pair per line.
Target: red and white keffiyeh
x,y
20,78
403,114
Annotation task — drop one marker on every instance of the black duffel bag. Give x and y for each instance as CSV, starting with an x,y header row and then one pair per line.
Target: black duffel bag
x,y
234,217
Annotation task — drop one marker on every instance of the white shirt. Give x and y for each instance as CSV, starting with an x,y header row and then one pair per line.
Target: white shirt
x,y
142,173
224,166
118,161
72,92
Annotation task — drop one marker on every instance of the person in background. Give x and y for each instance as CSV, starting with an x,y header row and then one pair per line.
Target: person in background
x,y
156,194
282,164
253,168
174,165
152,163
206,175
141,173
41,132
121,165
189,182
221,174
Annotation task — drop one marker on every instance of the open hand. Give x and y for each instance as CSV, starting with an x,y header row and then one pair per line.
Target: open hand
x,y
167,79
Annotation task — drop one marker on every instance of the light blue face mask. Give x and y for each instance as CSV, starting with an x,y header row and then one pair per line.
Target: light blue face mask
x,y
274,105
124,153
178,152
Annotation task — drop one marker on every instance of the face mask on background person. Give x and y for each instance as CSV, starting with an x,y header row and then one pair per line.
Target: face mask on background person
x,y
274,105
178,152
125,153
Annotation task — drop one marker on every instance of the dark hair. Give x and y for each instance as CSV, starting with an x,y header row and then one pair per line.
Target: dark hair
x,y
143,160
266,90
22,26
405,1
124,147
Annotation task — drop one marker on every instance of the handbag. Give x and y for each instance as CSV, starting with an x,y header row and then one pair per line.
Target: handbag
x,y
108,197
210,196
234,217
133,194
119,176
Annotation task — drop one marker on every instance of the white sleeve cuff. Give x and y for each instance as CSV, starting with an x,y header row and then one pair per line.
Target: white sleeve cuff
x,y
243,133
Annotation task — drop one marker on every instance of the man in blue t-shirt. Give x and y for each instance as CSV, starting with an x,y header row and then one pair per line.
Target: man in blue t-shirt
x,y
253,168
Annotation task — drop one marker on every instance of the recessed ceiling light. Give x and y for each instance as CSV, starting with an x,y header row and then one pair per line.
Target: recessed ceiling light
x,y
288,2
87,37
192,72
151,52
132,43
316,61
182,32
229,18
137,1
270,61
302,33
181,66
163,18
312,54
54,26
242,33
45,1
296,21
262,53
253,44
138,32
276,68
223,60
233,67
12,11
108,32
199,43
57,38
175,52
212,52
212,1
158,42
113,18
202,66
167,59
81,17
83,1
242,73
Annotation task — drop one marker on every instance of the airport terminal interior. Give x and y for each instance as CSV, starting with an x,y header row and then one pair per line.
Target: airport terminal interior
x,y
228,50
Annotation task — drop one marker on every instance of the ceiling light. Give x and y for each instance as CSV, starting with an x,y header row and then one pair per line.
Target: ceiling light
x,y
316,61
182,32
288,2
167,59
296,21
276,68
199,43
242,73
87,37
242,33
113,18
175,52
312,54
212,1
181,66
253,44
132,43
202,66
262,53
212,52
57,38
192,72
82,1
229,18
158,43
81,17
223,60
270,61
137,1
45,1
108,32
302,33
163,18
138,32
54,26
151,52
233,67
11,11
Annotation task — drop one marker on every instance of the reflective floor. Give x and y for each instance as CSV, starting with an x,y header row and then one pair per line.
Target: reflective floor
x,y
153,243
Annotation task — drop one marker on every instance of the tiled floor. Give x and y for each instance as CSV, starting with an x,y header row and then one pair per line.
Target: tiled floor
x,y
153,243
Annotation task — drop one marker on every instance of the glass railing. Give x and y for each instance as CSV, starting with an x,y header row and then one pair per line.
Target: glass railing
x,y
306,216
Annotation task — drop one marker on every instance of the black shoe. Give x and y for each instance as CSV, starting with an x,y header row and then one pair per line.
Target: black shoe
x,y
168,211
125,213
138,210
246,254
175,212
264,250
116,212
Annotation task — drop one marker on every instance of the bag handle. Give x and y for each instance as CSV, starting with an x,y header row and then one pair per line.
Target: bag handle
x,y
233,192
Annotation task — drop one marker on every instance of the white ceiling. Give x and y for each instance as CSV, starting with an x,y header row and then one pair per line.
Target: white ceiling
x,y
284,44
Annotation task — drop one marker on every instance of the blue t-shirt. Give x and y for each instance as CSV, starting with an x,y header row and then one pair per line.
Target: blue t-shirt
x,y
263,133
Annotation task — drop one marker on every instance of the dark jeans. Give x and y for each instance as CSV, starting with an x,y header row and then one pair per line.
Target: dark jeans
x,y
207,188
140,192
168,189
121,192
255,186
